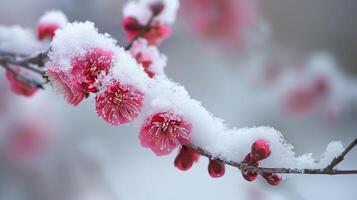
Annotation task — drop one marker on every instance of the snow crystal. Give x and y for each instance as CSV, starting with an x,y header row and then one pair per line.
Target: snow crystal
x,y
141,10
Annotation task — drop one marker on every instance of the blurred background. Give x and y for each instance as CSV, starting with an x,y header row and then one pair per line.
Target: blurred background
x,y
283,63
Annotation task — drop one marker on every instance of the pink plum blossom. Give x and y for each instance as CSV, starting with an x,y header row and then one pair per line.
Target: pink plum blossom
x,y
81,78
164,131
119,104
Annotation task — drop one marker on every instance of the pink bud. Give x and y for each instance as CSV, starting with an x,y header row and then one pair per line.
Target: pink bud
x,y
250,175
186,157
272,179
260,150
216,169
131,24
183,162
46,30
157,8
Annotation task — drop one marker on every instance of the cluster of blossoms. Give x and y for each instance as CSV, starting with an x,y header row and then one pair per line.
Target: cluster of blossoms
x,y
131,86
25,42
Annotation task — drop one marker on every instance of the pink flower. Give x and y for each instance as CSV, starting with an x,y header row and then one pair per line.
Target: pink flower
x,y
81,79
87,68
46,30
67,85
156,8
156,33
119,104
18,86
164,131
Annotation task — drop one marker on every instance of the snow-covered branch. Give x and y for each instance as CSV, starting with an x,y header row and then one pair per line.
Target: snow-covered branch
x,y
130,86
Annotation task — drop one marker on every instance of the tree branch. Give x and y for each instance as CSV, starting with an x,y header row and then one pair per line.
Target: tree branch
x,y
142,32
329,170
30,82
32,63
27,62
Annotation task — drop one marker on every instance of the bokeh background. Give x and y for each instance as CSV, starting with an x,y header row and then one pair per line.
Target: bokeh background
x,y
83,157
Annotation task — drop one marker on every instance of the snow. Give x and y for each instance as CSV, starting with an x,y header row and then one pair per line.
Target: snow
x,y
54,17
141,10
128,71
17,39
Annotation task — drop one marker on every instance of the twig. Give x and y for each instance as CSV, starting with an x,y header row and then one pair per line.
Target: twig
x,y
23,78
329,170
142,31
340,158
7,58
27,62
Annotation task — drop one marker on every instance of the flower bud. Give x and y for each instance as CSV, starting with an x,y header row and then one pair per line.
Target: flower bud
x,y
260,150
272,179
216,169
